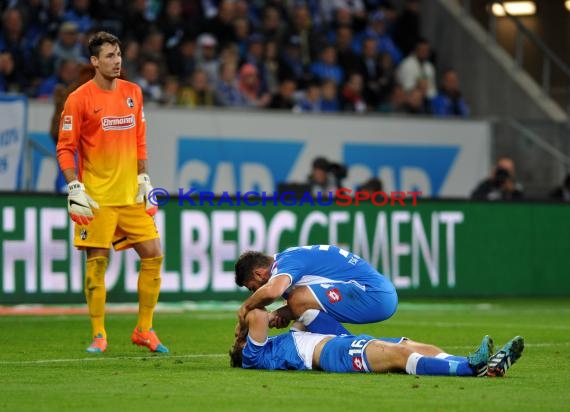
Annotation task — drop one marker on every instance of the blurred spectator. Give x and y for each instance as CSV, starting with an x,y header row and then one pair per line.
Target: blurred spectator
x,y
449,101
221,26
326,176
227,91
302,28
254,51
6,72
311,100
326,66
78,13
152,48
199,94
291,65
407,27
416,102
377,30
330,101
347,59
372,185
149,81
396,102
43,61
270,66
417,66
170,92
131,57
66,74
207,57
172,25
562,192
369,68
272,26
242,32
249,85
182,61
137,22
13,40
501,185
53,17
352,95
68,45
284,99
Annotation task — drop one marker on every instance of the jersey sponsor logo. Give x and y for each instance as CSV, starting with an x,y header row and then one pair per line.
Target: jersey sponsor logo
x,y
67,124
118,123
130,102
334,295
83,234
357,363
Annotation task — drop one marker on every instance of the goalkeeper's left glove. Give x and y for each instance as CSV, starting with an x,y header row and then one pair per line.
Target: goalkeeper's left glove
x,y
142,196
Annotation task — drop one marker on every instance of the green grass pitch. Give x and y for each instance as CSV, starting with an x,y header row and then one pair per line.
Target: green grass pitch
x,y
43,365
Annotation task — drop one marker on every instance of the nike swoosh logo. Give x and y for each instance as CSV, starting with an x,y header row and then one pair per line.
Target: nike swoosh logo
x,y
73,202
97,110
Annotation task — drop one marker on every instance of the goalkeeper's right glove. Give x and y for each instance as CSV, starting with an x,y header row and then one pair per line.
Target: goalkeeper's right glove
x,y
79,204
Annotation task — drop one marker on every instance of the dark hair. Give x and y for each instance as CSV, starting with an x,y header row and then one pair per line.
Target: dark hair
x,y
236,355
247,263
100,38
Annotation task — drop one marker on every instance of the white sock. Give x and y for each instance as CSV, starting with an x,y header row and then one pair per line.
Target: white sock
x,y
443,355
412,363
308,316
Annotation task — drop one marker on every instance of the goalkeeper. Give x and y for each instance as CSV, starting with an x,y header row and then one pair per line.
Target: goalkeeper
x,y
103,126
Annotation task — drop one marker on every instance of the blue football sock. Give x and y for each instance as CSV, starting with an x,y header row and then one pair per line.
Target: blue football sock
x,y
447,356
425,365
317,321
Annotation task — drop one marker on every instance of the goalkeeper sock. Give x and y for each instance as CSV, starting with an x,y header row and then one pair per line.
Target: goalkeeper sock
x,y
148,288
95,293
318,321
425,365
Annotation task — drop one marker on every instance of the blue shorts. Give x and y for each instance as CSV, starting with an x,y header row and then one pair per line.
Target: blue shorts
x,y
349,302
346,354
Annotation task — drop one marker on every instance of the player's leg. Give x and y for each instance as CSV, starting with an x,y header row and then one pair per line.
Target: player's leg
x,y
477,359
307,309
381,356
137,229
95,238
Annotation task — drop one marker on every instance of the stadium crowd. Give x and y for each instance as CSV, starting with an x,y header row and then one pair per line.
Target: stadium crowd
x,y
305,56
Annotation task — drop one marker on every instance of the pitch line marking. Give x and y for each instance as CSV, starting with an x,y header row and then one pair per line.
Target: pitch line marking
x,y
209,355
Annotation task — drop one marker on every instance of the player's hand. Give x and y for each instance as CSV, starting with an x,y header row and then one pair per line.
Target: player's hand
x,y
142,195
277,321
79,204
242,313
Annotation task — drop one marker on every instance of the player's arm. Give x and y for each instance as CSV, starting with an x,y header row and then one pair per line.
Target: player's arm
x,y
280,317
257,323
265,295
79,205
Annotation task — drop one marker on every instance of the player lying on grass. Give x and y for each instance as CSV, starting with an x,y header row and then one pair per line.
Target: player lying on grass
x,y
300,350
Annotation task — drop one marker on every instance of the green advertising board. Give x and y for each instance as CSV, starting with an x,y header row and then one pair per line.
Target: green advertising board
x,y
437,248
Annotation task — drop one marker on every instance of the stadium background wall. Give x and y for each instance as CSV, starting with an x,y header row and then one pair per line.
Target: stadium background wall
x,y
437,249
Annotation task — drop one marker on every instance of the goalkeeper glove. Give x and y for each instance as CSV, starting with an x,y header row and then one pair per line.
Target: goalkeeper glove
x,y
144,189
79,204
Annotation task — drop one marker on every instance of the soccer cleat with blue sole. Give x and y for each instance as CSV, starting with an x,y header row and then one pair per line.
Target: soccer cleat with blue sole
x,y
99,344
506,357
148,339
480,358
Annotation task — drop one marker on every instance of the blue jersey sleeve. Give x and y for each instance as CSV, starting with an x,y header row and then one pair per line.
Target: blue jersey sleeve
x,y
290,264
252,354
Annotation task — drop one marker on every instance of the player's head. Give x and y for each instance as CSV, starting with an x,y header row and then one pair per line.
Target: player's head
x,y
252,270
236,357
105,54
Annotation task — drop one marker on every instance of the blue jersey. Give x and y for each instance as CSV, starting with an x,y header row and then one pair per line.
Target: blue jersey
x,y
289,351
326,264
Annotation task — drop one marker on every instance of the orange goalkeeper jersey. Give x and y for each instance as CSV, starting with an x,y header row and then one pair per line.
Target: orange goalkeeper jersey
x,y
107,130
